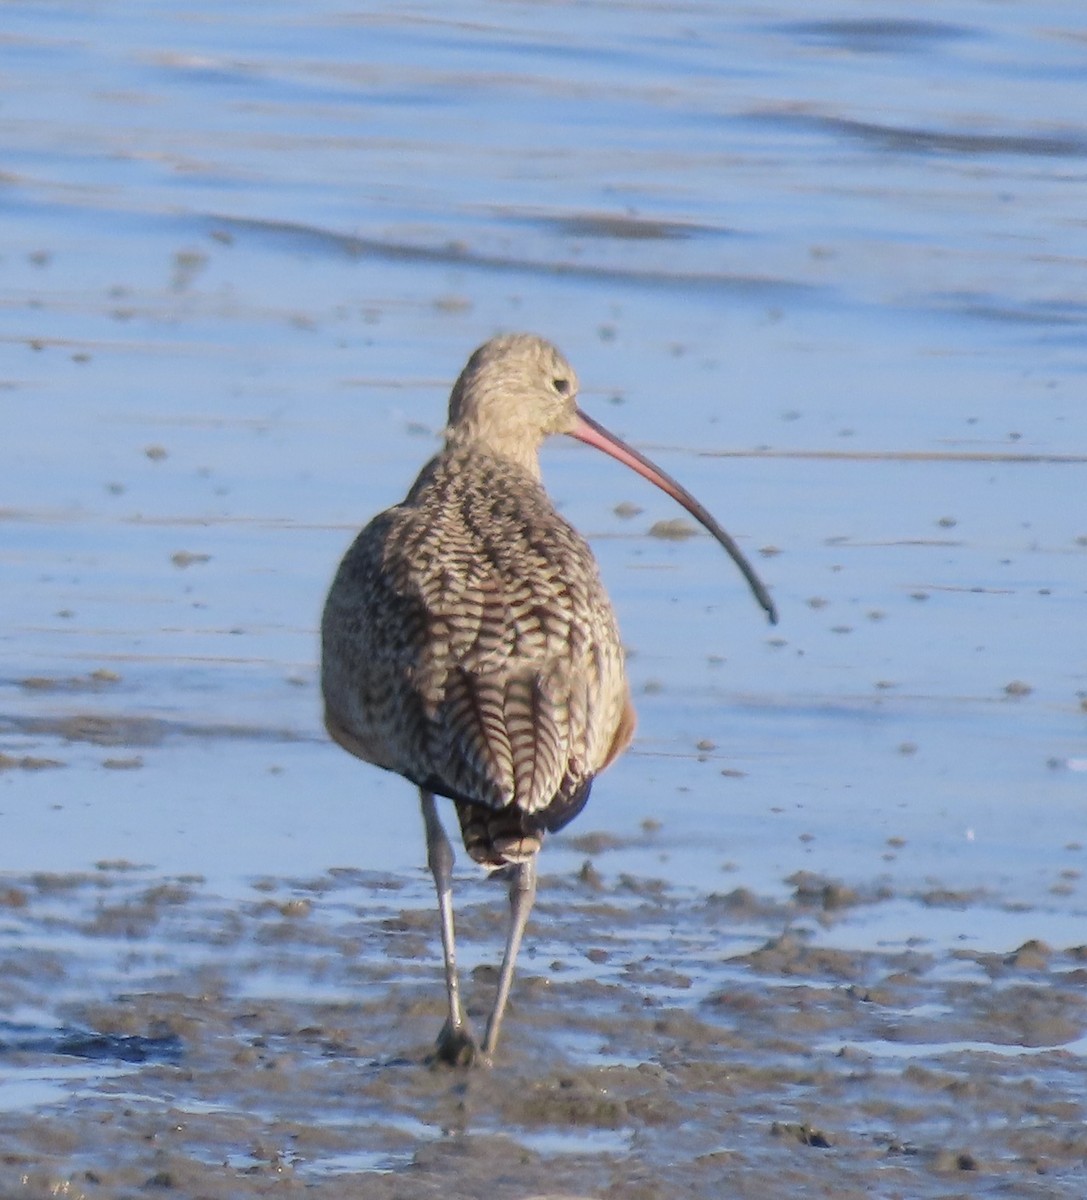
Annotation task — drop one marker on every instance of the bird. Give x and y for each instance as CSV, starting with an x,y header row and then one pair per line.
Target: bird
x,y
468,643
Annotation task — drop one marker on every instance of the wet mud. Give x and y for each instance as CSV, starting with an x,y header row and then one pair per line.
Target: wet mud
x,y
660,1043
830,272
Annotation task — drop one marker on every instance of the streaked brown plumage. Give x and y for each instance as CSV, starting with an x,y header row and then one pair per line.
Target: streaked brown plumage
x,y
468,643
482,660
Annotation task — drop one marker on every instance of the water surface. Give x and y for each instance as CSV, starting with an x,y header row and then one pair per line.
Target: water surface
x,y
828,270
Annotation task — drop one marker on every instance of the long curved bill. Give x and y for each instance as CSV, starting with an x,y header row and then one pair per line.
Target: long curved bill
x,y
589,431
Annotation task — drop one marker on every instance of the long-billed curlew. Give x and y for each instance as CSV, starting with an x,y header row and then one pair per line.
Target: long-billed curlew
x,y
469,645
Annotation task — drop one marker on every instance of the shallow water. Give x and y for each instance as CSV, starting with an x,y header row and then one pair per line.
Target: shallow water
x,y
827,271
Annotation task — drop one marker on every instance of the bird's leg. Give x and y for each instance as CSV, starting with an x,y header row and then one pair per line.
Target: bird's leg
x,y
522,895
455,1042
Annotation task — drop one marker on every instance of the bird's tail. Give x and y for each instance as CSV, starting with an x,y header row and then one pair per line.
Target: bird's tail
x,y
498,837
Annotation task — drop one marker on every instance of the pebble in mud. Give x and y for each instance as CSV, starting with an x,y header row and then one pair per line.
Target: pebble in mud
x,y
675,529
188,558
27,762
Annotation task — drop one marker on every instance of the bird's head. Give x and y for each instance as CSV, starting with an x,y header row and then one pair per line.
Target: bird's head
x,y
515,390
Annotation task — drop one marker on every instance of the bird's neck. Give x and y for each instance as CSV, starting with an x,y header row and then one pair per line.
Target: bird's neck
x,y
522,451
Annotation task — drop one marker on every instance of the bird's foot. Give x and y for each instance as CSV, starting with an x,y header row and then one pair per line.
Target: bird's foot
x,y
456,1047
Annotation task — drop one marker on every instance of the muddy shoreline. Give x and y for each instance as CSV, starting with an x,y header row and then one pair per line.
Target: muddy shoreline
x,y
659,1044
829,271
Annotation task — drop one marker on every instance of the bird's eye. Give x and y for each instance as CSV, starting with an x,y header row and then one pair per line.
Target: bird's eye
x,y
561,385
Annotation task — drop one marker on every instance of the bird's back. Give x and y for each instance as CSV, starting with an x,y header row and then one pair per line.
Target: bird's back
x,y
469,645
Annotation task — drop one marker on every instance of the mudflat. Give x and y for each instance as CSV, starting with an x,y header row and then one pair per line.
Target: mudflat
x,y
660,1043
819,932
